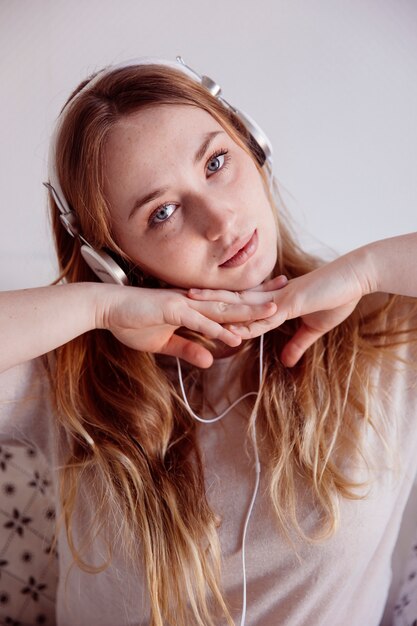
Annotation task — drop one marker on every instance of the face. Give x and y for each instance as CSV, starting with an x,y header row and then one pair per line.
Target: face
x,y
188,205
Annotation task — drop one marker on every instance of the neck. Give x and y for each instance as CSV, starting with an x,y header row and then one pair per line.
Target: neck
x,y
221,350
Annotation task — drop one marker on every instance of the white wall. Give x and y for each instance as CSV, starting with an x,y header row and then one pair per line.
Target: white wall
x,y
332,82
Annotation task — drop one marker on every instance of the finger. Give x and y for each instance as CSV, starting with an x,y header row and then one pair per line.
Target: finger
x,y
196,321
238,296
224,313
257,327
179,290
296,347
230,297
189,351
217,295
270,285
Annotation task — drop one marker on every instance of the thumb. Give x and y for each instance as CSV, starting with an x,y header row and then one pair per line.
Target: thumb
x,y
272,285
188,350
295,348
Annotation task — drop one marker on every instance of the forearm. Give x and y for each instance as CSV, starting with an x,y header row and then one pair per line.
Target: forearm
x,y
35,321
389,265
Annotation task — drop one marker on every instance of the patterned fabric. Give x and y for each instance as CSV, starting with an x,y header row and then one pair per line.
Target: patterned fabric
x,y
405,610
28,562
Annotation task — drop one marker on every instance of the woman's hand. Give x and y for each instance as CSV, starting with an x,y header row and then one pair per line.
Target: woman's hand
x,y
36,321
322,299
146,319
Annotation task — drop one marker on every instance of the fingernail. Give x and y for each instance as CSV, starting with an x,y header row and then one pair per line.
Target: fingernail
x,y
194,291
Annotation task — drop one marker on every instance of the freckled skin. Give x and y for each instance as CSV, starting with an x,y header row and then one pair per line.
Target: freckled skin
x,y
212,204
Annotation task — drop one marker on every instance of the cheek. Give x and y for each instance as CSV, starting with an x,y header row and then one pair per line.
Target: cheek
x,y
275,245
165,260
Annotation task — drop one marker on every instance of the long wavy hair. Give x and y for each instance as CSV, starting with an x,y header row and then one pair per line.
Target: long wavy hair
x,y
144,468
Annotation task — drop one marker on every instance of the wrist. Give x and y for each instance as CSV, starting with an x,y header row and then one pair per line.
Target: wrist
x,y
365,266
102,297
88,301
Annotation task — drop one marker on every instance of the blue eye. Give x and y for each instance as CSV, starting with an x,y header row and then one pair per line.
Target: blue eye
x,y
162,214
216,162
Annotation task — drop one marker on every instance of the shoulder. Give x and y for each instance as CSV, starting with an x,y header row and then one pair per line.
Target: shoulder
x,y
23,374
27,381
389,325
391,312
25,405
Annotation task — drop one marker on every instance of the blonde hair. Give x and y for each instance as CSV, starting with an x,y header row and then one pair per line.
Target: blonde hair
x,y
145,464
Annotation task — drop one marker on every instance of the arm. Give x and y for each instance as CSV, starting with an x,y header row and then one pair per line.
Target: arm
x,y
328,295
392,264
35,321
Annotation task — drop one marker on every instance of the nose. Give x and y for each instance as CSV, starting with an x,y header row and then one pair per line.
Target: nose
x,y
216,217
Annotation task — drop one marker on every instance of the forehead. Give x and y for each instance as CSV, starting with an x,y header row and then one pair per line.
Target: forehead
x,y
155,129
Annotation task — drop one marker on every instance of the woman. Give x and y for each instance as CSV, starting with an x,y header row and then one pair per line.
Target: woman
x,y
153,172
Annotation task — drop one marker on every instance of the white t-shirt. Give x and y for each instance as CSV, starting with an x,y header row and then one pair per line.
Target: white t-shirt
x,y
342,581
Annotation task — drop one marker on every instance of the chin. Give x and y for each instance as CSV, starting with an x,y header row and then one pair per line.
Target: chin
x,y
248,280
253,277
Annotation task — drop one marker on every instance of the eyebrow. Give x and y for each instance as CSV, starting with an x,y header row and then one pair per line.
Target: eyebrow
x,y
208,138
205,145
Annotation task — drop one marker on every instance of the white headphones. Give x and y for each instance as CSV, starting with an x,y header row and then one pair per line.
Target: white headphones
x,y
102,264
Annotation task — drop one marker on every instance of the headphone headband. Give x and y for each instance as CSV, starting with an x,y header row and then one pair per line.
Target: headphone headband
x,y
105,268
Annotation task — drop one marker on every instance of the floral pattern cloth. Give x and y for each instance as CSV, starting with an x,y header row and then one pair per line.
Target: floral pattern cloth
x,y
28,560
405,609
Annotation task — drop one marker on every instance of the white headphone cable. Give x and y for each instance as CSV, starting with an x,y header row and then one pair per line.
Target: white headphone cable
x,y
256,454
257,479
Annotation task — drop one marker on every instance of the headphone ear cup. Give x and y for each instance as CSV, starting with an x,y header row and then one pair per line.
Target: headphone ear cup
x,y
259,141
103,266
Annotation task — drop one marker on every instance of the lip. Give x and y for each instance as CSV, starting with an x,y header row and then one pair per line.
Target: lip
x,y
241,251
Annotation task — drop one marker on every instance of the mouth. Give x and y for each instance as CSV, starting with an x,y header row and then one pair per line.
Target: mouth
x,y
243,253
